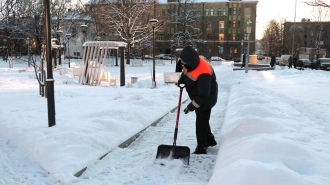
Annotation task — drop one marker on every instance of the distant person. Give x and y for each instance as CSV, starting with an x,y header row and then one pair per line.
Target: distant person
x,y
290,60
295,59
179,66
202,88
272,61
244,59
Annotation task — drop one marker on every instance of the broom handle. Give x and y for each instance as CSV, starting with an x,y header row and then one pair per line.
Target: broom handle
x,y
177,117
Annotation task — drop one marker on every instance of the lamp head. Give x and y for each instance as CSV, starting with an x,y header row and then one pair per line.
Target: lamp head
x,y
153,22
83,27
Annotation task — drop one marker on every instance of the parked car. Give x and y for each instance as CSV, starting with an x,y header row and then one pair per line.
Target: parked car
x,y
284,60
147,57
214,58
236,59
277,60
304,62
324,63
170,56
315,64
163,56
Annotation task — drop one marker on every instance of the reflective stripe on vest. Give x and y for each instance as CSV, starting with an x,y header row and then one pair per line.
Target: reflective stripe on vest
x,y
203,67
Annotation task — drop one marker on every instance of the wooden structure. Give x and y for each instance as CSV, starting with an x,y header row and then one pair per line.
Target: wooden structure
x,y
93,61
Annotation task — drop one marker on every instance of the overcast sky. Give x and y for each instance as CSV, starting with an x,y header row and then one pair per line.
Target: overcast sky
x,y
269,9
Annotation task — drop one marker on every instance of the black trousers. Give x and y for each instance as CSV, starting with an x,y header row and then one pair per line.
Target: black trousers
x,y
203,129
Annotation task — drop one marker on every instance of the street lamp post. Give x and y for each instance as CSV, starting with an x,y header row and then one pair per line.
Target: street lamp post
x,y
68,36
59,32
153,23
241,58
5,53
84,29
28,43
248,30
318,49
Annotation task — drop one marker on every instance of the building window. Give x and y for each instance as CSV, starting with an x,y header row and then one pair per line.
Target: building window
x,y
221,36
208,50
231,50
234,11
211,13
160,37
246,36
238,24
209,37
235,49
234,36
234,24
220,49
207,12
239,11
197,24
224,11
221,25
209,24
76,54
219,11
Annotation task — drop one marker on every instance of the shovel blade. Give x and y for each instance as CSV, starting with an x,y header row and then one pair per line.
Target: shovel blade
x,y
173,152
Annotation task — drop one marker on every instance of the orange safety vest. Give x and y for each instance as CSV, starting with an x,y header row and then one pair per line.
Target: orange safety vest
x,y
203,67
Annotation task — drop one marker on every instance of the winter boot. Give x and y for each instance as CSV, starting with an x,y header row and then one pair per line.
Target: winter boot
x,y
200,150
211,141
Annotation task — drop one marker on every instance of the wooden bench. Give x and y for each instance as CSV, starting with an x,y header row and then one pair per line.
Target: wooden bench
x,y
137,62
75,69
159,62
105,76
171,77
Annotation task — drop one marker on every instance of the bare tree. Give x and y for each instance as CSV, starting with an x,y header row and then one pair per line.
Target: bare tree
x,y
272,38
317,33
128,19
320,3
184,20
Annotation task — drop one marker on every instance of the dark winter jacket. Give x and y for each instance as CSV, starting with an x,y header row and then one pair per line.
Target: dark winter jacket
x,y
272,61
199,79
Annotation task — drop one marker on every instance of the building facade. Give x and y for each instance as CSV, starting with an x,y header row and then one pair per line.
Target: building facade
x,y
222,29
306,34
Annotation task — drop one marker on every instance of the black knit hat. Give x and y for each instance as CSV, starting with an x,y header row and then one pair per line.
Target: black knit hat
x,y
189,57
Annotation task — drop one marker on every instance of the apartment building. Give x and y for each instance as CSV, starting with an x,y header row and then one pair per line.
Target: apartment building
x,y
306,34
221,31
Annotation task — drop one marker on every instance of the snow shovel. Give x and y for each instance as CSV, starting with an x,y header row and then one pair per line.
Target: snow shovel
x,y
172,151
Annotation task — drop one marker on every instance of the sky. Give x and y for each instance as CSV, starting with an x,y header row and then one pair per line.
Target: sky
x,y
272,127
279,9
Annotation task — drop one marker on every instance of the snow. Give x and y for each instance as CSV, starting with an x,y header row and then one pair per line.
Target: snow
x,y
272,128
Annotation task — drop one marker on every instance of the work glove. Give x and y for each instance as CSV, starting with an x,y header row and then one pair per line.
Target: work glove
x,y
186,110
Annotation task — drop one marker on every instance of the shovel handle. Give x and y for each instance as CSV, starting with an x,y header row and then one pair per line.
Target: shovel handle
x,y
177,117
